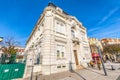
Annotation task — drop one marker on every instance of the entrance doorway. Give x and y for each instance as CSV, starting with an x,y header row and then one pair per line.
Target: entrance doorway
x,y
76,57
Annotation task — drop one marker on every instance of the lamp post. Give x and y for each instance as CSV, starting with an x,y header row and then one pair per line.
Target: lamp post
x,y
99,51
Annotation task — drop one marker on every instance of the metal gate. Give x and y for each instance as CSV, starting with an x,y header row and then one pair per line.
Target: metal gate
x,y
11,71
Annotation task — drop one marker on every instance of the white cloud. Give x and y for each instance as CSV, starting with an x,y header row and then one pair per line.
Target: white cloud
x,y
111,29
107,31
93,29
109,15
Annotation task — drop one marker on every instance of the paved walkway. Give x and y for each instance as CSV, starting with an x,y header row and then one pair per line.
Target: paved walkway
x,y
84,74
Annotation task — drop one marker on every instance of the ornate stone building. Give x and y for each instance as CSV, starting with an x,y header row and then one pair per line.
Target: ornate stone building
x,y
57,43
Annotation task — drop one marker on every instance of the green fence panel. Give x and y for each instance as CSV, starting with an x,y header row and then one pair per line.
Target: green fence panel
x,y
11,71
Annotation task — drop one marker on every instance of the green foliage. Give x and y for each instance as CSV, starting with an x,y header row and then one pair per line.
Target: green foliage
x,y
9,51
12,58
3,58
112,48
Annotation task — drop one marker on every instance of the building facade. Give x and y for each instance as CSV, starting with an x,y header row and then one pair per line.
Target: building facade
x,y
112,54
109,41
20,54
94,43
57,43
1,51
1,39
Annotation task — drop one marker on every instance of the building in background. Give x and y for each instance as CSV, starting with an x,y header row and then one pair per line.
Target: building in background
x,y
1,39
94,44
111,48
1,51
20,54
57,43
109,41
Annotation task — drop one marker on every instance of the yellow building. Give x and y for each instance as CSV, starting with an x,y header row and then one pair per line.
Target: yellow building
x,y
94,43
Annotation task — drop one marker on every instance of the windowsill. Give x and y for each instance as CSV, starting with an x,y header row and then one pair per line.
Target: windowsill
x,y
60,33
37,63
84,41
61,58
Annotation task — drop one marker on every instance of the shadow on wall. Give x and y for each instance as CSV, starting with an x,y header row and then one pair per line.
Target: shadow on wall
x,y
70,66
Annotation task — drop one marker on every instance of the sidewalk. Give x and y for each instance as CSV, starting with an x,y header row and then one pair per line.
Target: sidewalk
x,y
84,74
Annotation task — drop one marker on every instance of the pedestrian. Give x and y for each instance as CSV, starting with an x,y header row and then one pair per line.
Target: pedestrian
x,y
99,64
91,63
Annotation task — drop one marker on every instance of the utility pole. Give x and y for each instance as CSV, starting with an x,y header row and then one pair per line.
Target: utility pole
x,y
99,52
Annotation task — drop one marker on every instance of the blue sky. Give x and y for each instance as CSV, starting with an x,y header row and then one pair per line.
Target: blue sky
x,y
100,17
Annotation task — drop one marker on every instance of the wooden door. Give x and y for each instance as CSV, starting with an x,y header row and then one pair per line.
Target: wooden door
x,y
76,57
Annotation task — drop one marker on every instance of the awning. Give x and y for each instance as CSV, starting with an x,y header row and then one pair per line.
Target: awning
x,y
95,55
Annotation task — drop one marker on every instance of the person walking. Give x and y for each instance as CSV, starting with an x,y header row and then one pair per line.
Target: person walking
x,y
99,64
91,63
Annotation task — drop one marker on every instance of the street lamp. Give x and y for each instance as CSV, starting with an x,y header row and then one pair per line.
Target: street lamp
x,y
99,52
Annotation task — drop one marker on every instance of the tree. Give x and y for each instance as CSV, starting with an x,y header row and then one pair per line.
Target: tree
x,y
112,49
9,50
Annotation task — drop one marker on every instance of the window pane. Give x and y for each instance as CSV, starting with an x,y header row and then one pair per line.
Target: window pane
x,y
62,54
60,27
58,54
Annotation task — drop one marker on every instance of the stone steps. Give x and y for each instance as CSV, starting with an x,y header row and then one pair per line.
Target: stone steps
x,y
79,67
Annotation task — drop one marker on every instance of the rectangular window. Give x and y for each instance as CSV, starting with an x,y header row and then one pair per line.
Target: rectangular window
x,y
60,51
62,54
60,27
83,36
86,50
58,54
63,66
58,66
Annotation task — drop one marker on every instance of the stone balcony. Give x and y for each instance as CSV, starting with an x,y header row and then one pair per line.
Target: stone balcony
x,y
75,40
